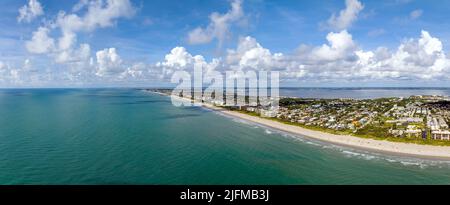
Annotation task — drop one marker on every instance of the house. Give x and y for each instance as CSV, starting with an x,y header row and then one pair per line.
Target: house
x,y
269,113
413,132
440,135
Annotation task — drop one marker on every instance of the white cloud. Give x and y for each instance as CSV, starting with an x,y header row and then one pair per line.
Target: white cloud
x,y
14,75
30,11
218,27
430,44
98,14
180,59
80,67
421,58
2,66
416,14
340,59
27,64
108,62
200,36
346,16
340,47
250,54
80,5
82,54
40,42
134,71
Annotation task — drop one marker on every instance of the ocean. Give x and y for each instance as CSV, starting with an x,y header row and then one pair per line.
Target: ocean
x,y
129,136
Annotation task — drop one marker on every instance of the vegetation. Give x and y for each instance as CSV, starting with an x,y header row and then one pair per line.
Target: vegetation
x,y
369,132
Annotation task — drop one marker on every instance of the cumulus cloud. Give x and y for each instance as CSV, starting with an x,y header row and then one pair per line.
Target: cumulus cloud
x,y
4,71
30,11
140,72
99,14
421,58
219,25
58,40
2,66
250,54
340,59
346,16
16,75
180,59
134,71
40,42
81,54
108,62
339,46
80,5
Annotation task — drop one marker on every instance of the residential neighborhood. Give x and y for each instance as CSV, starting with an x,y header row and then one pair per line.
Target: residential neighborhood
x,y
423,117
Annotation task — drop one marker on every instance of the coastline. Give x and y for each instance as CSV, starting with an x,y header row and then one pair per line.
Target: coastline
x,y
383,146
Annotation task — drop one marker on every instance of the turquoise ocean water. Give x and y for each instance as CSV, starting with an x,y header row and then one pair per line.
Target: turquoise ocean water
x,y
127,136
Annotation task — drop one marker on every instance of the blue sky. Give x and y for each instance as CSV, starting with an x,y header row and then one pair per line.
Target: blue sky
x,y
139,43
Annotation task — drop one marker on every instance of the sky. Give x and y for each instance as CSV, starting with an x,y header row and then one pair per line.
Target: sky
x,y
135,43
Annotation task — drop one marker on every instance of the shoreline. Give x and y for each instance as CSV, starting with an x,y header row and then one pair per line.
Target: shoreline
x,y
383,146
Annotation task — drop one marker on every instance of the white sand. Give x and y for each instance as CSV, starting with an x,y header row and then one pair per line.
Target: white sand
x,y
425,151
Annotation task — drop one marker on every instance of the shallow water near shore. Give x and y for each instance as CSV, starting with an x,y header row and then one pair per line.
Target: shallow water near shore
x,y
128,136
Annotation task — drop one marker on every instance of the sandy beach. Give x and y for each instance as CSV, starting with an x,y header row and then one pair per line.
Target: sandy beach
x,y
398,148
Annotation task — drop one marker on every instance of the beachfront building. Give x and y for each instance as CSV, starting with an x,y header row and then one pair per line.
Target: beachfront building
x,y
397,133
440,135
413,132
268,113
410,132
